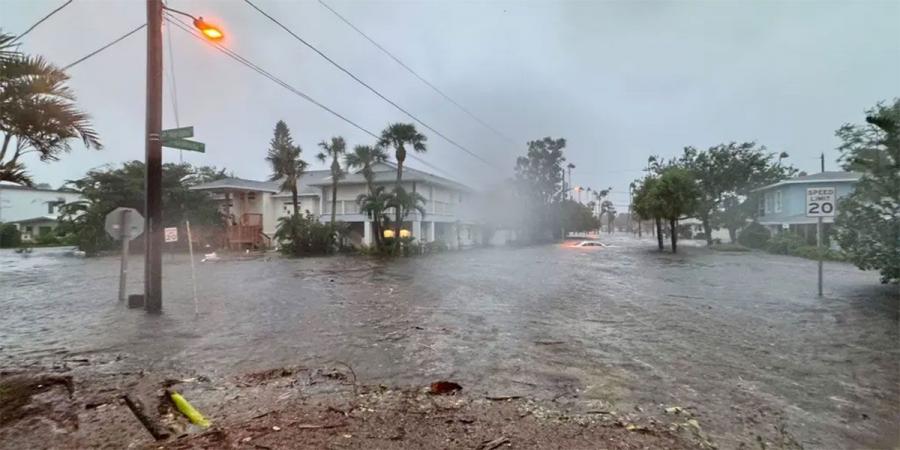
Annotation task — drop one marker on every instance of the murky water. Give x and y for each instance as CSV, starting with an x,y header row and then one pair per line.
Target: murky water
x,y
740,337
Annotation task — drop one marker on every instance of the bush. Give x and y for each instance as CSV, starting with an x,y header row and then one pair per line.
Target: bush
x,y
754,236
9,236
47,239
793,244
300,235
436,246
785,243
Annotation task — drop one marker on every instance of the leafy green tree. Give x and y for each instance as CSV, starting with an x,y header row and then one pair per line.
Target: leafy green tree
x,y
399,136
647,204
725,175
677,195
287,166
9,236
365,157
578,217
334,150
105,189
37,112
868,222
539,177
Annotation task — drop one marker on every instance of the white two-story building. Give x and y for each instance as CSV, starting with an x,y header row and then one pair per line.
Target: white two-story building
x,y
257,205
34,210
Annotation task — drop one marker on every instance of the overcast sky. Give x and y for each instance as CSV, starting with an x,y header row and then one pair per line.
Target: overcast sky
x,y
619,80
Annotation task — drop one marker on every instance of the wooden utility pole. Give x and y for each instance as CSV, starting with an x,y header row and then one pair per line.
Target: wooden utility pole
x,y
153,162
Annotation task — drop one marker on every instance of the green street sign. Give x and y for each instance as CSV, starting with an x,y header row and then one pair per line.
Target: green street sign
x,y
184,144
177,133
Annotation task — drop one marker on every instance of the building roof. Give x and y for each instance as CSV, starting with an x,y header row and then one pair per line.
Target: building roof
x,y
816,178
38,219
386,172
274,187
19,187
311,181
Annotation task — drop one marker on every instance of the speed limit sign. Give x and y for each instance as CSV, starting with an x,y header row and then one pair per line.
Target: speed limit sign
x,y
820,202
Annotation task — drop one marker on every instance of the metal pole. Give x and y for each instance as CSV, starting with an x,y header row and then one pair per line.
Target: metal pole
x,y
187,225
123,269
819,248
153,161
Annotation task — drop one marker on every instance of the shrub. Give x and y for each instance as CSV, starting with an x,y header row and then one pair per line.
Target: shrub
x,y
785,243
47,239
300,235
754,236
9,236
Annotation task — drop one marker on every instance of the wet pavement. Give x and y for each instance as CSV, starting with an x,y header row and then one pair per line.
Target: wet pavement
x,y
741,338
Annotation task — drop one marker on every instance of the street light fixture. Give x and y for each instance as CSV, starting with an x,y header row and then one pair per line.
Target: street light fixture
x,y
209,30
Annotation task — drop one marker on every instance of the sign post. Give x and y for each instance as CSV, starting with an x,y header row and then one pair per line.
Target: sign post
x,y
125,224
187,226
123,266
820,202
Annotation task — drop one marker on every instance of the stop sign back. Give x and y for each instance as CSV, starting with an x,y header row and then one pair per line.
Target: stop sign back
x,y
130,217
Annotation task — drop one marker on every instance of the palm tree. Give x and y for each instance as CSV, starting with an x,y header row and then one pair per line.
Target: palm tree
x,y
286,163
335,149
374,204
405,202
364,157
399,135
38,110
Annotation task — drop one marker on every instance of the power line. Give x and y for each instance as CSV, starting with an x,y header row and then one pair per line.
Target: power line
x,y
174,90
40,22
117,40
420,77
244,61
367,86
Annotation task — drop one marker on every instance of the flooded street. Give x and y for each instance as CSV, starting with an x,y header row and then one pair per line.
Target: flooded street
x,y
740,337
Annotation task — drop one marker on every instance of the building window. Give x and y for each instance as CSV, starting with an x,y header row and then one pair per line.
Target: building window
x,y
768,202
778,203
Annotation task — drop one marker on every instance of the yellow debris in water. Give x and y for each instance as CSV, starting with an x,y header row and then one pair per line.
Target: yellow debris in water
x,y
192,414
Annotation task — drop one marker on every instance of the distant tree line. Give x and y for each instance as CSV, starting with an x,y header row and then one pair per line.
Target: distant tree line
x,y
714,185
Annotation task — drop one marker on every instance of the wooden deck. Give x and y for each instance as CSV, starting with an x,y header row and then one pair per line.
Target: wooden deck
x,y
247,234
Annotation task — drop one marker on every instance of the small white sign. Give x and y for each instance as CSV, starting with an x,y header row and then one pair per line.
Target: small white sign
x,y
820,202
172,234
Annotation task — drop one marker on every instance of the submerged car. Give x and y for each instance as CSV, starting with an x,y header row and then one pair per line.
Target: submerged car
x,y
590,244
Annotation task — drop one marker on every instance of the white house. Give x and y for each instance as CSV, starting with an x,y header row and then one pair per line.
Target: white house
x,y
34,211
254,207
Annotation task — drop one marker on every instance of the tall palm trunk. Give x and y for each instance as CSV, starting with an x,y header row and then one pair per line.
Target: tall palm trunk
x,y
333,201
401,156
295,200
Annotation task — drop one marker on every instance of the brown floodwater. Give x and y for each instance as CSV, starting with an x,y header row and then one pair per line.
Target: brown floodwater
x,y
739,337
